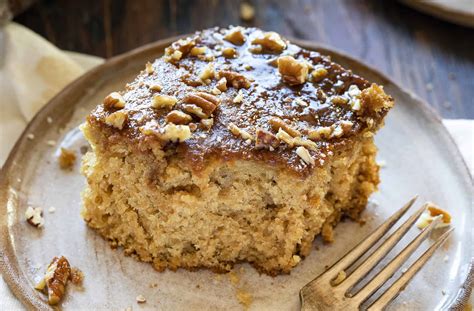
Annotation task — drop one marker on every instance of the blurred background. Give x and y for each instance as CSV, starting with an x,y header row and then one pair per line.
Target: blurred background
x,y
429,56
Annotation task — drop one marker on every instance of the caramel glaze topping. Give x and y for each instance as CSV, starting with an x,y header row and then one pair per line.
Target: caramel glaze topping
x,y
330,96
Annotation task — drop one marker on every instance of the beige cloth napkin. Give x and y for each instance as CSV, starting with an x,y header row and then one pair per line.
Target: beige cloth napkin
x,y
32,71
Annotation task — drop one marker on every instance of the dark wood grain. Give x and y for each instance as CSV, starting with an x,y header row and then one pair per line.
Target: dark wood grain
x,y
430,57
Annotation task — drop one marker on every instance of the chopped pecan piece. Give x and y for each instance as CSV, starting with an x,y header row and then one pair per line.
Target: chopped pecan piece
x,y
66,159
163,101
235,36
278,123
207,123
179,49
55,279
270,42
298,141
284,136
234,79
229,52
222,85
195,110
207,73
238,98
34,216
155,87
175,133
171,132
116,119
149,68
319,73
304,154
207,102
301,102
216,91
341,128
114,100
292,71
239,132
339,100
178,117
195,51
320,133
266,140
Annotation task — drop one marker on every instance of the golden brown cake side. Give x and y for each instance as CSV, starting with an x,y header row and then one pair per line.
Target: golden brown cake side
x,y
234,146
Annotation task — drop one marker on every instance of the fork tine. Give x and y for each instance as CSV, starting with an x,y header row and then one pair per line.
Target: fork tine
x,y
364,268
366,244
394,290
389,270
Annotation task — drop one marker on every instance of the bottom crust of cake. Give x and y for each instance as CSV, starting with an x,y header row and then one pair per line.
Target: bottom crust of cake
x,y
158,210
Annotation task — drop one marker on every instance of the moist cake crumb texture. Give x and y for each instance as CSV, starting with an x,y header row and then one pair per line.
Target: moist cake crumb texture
x,y
234,146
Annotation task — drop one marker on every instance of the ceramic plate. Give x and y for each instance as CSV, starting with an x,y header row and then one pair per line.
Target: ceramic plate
x,y
456,11
420,159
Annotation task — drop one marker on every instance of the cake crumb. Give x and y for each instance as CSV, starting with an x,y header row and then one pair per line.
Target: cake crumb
x,y
233,277
51,143
446,258
247,11
66,159
153,285
34,216
244,298
51,210
49,120
238,98
30,136
341,276
76,276
141,299
382,163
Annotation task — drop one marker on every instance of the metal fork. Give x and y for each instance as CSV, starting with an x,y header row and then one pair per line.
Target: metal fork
x,y
332,289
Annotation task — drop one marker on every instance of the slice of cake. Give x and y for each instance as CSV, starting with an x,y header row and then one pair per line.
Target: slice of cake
x,y
235,146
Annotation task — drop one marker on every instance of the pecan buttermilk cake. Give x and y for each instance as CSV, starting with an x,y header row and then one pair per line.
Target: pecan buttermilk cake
x,y
234,146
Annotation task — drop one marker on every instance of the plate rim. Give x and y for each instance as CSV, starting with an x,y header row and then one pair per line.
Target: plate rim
x,y
443,12
9,265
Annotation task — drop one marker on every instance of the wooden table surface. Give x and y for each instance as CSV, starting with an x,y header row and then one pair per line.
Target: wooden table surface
x,y
430,57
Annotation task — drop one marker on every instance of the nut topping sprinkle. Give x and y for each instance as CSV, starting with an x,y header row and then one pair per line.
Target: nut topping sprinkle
x,y
149,68
234,79
163,101
235,36
116,119
114,100
178,117
34,216
55,279
304,154
277,92
271,42
292,71
278,123
207,102
266,140
240,132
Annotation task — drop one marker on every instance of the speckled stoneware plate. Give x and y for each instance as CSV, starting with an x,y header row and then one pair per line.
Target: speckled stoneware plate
x,y
420,158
